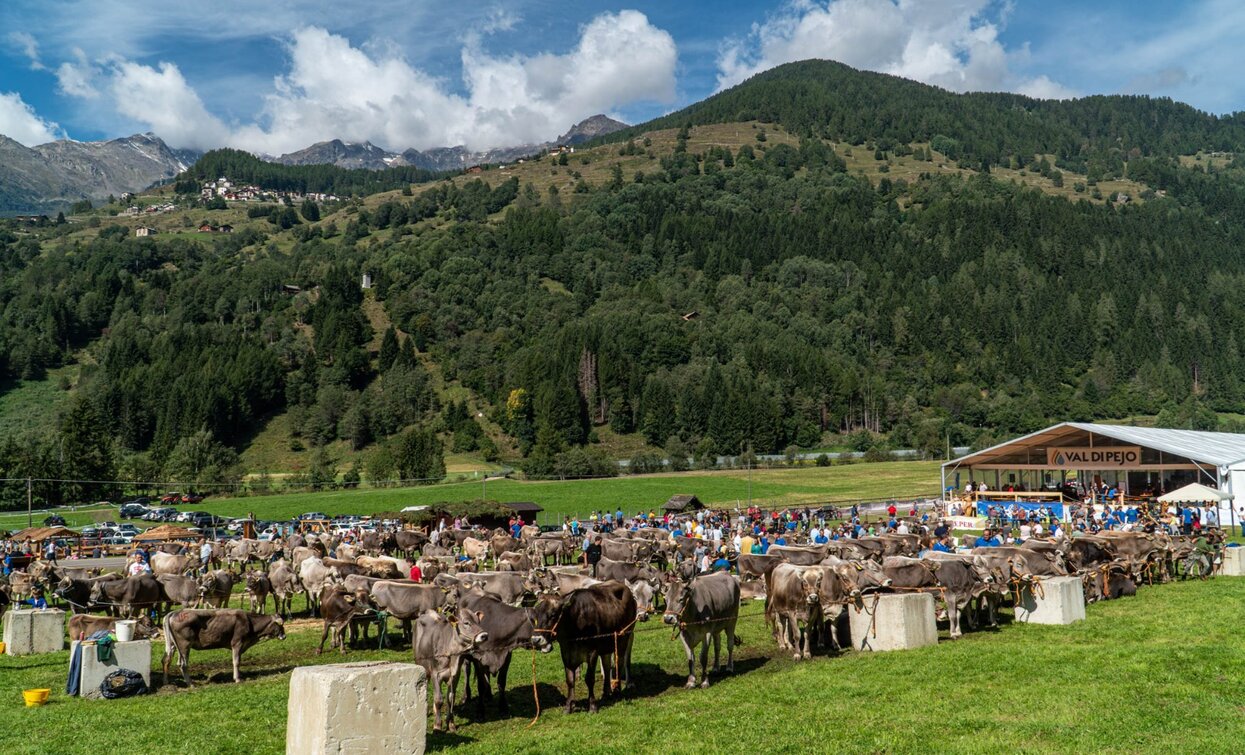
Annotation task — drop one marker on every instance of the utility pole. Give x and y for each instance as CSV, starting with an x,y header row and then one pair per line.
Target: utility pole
x,y
29,501
751,463
483,486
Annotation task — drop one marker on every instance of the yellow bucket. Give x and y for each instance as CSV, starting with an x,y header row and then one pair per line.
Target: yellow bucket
x,y
2,648
35,697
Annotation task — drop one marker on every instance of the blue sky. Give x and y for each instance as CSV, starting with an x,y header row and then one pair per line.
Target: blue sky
x,y
277,76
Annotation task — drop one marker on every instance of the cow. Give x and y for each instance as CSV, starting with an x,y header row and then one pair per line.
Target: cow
x,y
132,595
991,584
1108,582
626,571
753,589
800,556
340,608
617,549
476,550
216,587
284,583
756,565
500,542
1089,552
258,587
180,590
954,580
82,625
163,563
590,624
408,542
213,629
645,594
508,587
858,576
508,628
793,607
383,567
516,561
313,573
406,601
440,645
77,592
552,545
703,609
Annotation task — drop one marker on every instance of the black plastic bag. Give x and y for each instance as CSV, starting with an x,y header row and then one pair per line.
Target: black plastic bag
x,y
123,683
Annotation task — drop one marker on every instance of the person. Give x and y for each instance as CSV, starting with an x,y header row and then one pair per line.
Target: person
x,y
36,599
942,530
592,554
987,540
901,528
1212,517
747,544
722,564
205,554
49,552
416,574
943,545
8,562
891,511
137,566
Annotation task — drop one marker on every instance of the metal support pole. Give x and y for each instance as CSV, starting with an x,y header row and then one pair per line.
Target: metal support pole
x,y
29,501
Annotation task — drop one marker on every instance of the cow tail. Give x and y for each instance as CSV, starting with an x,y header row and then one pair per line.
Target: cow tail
x,y
168,633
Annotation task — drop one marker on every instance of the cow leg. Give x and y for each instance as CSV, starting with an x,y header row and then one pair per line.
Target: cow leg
x,y
730,645
570,689
456,664
691,660
324,636
590,675
501,686
183,660
953,615
704,659
436,681
237,663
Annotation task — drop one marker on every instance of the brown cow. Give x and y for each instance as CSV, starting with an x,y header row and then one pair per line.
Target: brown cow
x,y
440,646
212,629
258,586
132,595
340,609
514,561
216,587
590,624
84,625
793,607
702,609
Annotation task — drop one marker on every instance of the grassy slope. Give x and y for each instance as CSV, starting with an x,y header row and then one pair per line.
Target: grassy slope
x,y
1153,673
777,486
32,406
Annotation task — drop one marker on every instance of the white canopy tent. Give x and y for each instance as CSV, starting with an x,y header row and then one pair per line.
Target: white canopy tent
x,y
1194,493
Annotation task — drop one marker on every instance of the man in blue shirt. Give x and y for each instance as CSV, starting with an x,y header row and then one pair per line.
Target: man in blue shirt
x,y
943,545
764,543
987,540
780,540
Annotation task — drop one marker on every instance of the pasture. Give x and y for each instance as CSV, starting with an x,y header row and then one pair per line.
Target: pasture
x,y
1156,673
772,487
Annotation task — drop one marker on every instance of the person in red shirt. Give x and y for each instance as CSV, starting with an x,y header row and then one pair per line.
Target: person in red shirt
x,y
416,574
891,510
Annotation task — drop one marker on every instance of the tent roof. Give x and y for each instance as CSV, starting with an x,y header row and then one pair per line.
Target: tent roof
x,y
167,532
683,503
1194,493
523,506
39,534
1218,449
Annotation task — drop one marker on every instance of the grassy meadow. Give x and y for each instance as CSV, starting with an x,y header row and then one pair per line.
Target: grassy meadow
x,y
1154,673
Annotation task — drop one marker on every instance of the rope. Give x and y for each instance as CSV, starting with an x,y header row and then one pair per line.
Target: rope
x,y
382,623
535,693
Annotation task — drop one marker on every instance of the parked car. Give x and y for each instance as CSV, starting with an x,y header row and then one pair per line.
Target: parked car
x,y
128,529
133,510
142,500
313,515
118,540
54,520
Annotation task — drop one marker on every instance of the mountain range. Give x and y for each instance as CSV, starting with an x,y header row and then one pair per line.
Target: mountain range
x,y
52,176
56,174
369,156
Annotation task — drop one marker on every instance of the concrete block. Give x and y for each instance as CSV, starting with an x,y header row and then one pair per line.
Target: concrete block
x,y
34,630
135,656
894,622
377,707
1061,600
1233,562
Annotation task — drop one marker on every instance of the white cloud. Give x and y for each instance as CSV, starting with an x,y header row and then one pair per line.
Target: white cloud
x,y
19,122
948,43
161,98
334,89
77,78
25,44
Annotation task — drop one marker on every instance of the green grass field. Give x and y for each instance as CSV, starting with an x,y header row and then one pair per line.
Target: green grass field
x,y
852,482
1155,673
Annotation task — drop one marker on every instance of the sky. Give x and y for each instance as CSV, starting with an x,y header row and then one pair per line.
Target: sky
x,y
277,76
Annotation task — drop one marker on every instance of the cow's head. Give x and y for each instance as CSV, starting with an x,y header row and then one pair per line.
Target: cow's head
x,y
545,616
645,598
678,595
471,628
275,628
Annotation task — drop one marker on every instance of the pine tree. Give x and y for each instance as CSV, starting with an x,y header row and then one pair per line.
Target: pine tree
x,y
388,349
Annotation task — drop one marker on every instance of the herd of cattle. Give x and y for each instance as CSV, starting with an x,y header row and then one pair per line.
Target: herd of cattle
x,y
460,616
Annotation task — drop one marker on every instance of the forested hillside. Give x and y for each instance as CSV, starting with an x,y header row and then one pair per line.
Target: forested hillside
x,y
713,289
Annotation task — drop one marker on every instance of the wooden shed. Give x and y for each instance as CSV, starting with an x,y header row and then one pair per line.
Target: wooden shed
x,y
681,503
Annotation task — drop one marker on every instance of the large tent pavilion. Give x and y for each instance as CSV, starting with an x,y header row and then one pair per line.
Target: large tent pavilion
x,y
1135,460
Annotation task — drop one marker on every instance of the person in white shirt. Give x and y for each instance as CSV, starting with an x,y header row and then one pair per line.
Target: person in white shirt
x,y
1026,532
901,528
137,566
737,541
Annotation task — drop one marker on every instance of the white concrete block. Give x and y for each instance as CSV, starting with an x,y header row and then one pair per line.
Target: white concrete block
x,y
34,630
1233,562
1060,600
135,656
377,707
895,622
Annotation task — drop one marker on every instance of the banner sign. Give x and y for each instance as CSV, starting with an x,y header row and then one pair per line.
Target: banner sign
x,y
1104,457
966,522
